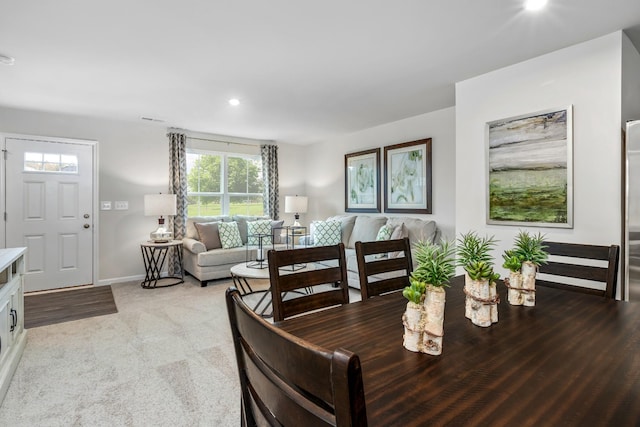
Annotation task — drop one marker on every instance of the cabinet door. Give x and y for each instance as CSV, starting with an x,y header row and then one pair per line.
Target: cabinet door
x,y
5,335
17,307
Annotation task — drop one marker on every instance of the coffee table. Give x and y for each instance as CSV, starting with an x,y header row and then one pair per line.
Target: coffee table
x,y
241,274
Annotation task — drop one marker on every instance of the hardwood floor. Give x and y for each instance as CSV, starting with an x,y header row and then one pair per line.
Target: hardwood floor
x,y
56,307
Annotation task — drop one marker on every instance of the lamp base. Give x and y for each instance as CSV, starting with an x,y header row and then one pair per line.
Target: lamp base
x,y
161,235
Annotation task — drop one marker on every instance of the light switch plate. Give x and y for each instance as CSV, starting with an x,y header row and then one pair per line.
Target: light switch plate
x,y
105,206
121,205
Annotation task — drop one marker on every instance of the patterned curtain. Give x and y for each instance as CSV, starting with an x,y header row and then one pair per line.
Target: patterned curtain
x,y
178,186
270,195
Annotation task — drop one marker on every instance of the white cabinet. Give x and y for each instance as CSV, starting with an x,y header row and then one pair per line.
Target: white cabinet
x,y
13,336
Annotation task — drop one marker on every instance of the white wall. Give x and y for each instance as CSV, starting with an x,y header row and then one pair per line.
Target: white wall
x,y
630,81
133,161
587,76
324,170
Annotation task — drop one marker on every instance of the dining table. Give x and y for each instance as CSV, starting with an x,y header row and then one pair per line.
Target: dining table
x,y
573,359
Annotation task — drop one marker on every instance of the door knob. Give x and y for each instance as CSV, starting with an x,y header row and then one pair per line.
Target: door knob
x,y
86,216
86,226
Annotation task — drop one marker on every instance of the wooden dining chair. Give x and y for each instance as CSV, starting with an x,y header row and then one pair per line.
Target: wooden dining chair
x,y
380,272
288,381
294,293
577,263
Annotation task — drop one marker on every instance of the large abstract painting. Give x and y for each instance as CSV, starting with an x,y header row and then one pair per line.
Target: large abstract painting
x,y
362,181
407,177
530,176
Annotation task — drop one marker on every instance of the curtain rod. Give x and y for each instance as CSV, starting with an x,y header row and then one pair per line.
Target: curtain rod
x,y
223,142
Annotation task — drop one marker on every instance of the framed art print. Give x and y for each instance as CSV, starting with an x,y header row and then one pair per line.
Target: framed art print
x,y
530,169
407,177
362,181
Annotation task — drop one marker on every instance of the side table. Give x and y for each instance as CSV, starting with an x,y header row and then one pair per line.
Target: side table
x,y
154,255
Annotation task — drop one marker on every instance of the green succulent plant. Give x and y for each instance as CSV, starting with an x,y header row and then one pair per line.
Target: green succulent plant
x,y
527,247
474,255
436,265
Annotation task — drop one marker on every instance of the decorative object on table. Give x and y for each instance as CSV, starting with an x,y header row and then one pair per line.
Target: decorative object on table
x,y
407,177
530,171
423,319
523,261
362,181
474,255
160,205
256,249
295,205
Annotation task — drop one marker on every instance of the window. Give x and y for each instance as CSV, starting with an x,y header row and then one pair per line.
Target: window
x,y
50,162
223,184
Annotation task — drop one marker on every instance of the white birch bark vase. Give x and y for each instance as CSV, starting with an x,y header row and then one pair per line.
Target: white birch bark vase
x,y
529,283
434,320
514,284
413,322
481,303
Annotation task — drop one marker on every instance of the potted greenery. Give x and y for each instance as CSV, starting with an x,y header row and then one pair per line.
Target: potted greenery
x,y
522,262
423,320
474,255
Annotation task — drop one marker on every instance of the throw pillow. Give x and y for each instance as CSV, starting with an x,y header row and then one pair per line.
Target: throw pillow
x,y
262,226
400,232
229,235
385,232
208,234
276,227
326,233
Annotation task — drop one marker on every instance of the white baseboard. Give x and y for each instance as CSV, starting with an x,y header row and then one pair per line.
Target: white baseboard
x,y
105,282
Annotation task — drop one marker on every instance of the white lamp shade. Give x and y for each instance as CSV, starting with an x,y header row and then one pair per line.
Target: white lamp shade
x,y
295,204
159,204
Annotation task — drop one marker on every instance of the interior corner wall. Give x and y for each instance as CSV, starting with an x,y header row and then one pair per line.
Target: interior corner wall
x,y
132,162
324,165
630,81
587,76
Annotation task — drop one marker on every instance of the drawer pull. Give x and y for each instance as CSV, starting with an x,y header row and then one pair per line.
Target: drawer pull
x,y
14,319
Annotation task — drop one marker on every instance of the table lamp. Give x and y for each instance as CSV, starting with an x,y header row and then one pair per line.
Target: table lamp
x,y
295,205
160,205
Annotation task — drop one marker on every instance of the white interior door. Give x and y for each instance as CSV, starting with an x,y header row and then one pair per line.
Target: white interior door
x,y
49,199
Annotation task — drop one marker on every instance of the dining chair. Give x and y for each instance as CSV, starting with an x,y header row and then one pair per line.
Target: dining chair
x,y
294,293
288,381
383,266
577,263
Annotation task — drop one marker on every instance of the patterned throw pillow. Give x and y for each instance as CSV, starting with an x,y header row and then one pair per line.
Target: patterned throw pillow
x,y
262,226
326,233
229,235
385,232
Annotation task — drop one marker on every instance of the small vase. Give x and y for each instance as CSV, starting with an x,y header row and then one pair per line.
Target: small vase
x,y
434,320
529,283
481,301
413,322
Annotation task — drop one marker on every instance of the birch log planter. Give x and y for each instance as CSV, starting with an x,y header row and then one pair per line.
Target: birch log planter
x,y
424,323
522,285
481,304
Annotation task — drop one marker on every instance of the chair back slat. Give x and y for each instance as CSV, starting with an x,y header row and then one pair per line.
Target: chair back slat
x,y
577,263
292,293
288,381
383,266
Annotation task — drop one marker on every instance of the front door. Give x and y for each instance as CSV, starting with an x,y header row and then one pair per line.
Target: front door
x,y
49,199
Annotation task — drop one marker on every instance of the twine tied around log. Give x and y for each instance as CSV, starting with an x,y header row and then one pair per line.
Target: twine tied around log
x,y
484,301
507,283
406,325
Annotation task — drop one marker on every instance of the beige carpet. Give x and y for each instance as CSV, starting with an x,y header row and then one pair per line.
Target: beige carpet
x,y
165,359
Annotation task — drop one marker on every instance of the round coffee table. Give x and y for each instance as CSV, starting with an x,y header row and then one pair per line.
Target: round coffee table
x,y
240,274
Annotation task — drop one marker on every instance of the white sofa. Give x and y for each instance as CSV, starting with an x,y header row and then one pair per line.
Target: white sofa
x,y
365,228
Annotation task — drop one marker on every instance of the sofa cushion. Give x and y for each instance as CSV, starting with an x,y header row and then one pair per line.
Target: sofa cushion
x,y
222,257
192,233
346,226
208,234
276,230
326,233
417,229
365,229
242,224
399,232
261,226
229,235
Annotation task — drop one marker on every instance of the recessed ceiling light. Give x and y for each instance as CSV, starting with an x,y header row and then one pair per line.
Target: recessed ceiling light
x,y
234,101
535,4
6,60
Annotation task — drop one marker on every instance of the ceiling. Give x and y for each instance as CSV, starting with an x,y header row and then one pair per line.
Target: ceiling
x,y
303,71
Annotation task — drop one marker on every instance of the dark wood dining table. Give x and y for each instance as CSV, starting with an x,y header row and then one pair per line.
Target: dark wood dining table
x,y
573,359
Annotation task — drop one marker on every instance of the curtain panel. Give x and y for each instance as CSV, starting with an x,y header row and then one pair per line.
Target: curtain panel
x,y
177,186
269,155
